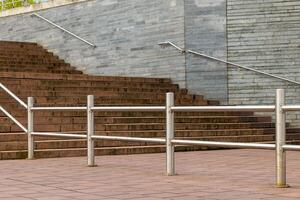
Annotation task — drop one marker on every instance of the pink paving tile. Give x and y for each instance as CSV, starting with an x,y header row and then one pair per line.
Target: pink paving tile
x,y
222,174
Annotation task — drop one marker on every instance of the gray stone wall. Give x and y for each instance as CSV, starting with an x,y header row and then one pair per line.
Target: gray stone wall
x,y
126,33
264,35
205,31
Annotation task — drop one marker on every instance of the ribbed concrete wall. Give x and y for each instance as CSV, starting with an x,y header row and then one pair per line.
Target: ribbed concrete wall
x,y
205,31
264,35
259,34
126,33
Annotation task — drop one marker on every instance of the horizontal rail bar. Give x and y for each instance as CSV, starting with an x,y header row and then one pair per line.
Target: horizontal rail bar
x,y
67,135
291,108
135,139
130,108
291,147
63,29
59,108
225,144
167,43
13,95
224,108
13,119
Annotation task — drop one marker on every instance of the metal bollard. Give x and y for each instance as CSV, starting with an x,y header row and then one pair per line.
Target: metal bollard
x,y
30,139
90,131
170,134
280,140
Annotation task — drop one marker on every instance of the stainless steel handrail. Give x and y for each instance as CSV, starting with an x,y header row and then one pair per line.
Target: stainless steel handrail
x,y
226,144
13,119
13,95
265,108
182,50
63,29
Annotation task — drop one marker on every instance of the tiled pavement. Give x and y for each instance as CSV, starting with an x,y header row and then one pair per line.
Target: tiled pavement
x,y
223,174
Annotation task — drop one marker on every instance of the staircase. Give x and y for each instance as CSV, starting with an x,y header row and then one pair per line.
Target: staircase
x,y
28,69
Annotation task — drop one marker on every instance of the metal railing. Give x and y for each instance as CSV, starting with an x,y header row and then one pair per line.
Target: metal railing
x,y
10,93
280,110
182,50
63,29
170,109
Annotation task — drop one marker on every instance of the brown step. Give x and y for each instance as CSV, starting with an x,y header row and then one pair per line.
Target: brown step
x,y
30,70
41,76
141,126
126,120
71,152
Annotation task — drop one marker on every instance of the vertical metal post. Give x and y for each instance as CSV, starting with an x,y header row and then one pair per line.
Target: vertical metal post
x,y
30,102
90,131
280,140
170,134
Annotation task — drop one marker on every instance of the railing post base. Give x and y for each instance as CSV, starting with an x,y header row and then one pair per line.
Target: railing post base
x,y
92,165
282,186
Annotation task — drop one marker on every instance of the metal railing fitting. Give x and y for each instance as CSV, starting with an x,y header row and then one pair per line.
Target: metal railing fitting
x,y
63,29
182,50
170,141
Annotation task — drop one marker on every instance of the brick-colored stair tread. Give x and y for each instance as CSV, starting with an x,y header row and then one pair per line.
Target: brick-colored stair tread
x,y
81,143
128,114
98,151
42,76
124,120
140,126
28,69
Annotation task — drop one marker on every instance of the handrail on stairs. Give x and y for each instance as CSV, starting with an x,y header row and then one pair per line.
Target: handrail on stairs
x,y
182,50
63,29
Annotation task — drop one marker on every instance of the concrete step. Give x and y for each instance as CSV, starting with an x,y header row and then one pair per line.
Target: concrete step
x,y
13,68
19,136
81,96
41,76
30,70
95,90
52,153
111,150
17,113
141,126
